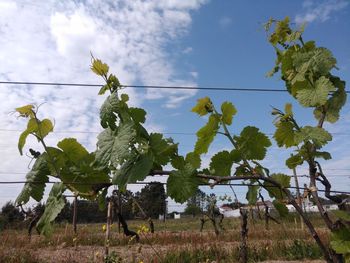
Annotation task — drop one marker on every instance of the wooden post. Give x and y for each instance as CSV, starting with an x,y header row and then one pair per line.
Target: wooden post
x,y
243,250
75,214
298,196
165,210
108,227
120,209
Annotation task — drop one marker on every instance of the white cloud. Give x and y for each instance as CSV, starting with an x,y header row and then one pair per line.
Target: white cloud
x,y
319,12
51,41
187,50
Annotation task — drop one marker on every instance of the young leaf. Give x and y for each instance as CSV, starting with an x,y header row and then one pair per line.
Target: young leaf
x,y
45,127
163,149
221,164
252,143
206,134
203,107
194,159
99,68
26,111
283,180
228,111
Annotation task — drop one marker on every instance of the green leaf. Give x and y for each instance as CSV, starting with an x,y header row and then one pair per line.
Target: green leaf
x,y
182,184
138,115
73,149
283,180
221,164
32,127
280,207
324,155
318,136
335,103
340,240
38,173
133,170
203,107
318,95
113,146
228,111
103,89
252,143
206,134
294,161
53,207
162,148
110,109
99,68
124,97
26,111
194,159
178,162
45,127
284,134
252,194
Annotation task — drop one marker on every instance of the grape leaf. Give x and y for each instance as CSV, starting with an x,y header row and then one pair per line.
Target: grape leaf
x,y
54,204
317,135
221,164
228,111
182,184
109,110
203,106
137,114
316,96
38,173
133,170
193,159
252,143
163,149
340,240
280,207
26,111
252,194
73,150
206,134
113,146
99,68
45,127
283,180
284,134
32,127
294,161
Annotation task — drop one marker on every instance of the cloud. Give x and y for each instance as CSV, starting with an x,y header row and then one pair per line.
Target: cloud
x,y
51,41
225,21
313,12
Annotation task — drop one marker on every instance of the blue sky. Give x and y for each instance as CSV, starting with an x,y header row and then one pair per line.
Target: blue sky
x,y
171,42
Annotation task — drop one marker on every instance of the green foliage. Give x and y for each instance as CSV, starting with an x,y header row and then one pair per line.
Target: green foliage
x,y
182,183
293,161
252,194
162,148
228,111
283,180
26,111
36,181
54,205
221,164
280,207
318,136
99,68
206,134
340,241
203,107
284,134
252,144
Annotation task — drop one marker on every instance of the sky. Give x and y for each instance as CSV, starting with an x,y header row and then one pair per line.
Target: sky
x,y
201,43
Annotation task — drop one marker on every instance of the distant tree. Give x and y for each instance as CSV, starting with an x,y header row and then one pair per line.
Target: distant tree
x,y
196,204
11,212
152,199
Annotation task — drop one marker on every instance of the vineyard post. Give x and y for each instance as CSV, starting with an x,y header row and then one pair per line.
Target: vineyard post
x,y
298,195
108,227
75,214
243,249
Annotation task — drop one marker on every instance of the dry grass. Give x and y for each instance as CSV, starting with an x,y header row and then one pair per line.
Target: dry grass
x,y
174,241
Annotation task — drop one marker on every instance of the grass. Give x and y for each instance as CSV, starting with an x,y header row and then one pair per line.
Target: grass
x,y
174,240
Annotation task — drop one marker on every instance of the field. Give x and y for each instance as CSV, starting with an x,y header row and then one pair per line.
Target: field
x,y
173,241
